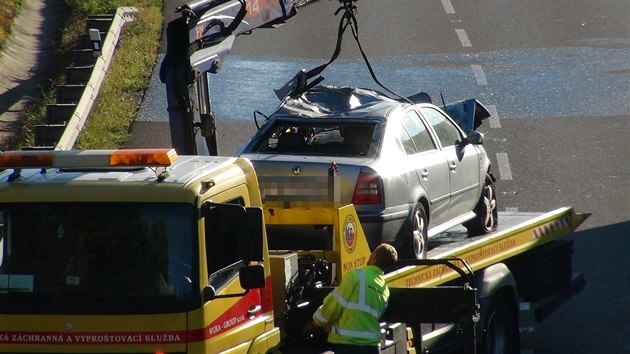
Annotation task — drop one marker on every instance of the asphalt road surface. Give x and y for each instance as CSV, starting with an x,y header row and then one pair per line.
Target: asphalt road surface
x,y
556,75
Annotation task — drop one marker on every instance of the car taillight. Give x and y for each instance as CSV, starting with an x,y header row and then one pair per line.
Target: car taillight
x,y
368,189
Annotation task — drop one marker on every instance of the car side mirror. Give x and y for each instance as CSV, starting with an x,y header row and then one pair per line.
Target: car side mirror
x,y
474,137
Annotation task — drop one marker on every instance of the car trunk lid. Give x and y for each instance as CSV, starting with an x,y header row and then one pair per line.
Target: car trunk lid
x,y
287,181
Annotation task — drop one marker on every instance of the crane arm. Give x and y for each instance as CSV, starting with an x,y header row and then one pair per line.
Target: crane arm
x,y
197,44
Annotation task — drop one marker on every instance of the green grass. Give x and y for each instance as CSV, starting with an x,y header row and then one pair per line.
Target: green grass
x,y
126,79
8,10
125,82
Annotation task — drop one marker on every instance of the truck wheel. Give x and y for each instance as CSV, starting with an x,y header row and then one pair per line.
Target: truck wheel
x,y
418,241
500,334
487,219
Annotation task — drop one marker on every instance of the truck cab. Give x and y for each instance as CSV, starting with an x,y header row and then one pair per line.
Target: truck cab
x,y
110,251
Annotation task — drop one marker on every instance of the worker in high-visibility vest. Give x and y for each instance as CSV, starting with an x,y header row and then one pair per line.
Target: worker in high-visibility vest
x,y
351,312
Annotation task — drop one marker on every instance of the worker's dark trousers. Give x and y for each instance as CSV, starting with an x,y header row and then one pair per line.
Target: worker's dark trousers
x,y
356,349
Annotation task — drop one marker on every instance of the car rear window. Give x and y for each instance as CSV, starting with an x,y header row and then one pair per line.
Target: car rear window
x,y
336,139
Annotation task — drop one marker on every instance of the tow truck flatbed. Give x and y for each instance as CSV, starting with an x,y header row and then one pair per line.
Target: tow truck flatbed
x,y
458,236
519,233
512,267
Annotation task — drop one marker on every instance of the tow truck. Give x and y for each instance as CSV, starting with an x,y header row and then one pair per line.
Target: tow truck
x,y
149,251
146,251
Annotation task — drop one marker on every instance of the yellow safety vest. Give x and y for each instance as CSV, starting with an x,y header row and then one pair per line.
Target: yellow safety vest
x,y
355,307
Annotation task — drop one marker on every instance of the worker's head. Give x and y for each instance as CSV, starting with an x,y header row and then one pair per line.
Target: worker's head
x,y
384,256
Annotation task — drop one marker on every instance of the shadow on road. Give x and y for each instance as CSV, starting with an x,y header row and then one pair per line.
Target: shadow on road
x,y
596,320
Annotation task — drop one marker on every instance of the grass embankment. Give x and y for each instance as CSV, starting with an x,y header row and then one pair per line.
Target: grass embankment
x,y
126,80
8,10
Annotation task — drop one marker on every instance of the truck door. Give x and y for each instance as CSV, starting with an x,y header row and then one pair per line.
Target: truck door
x,y
463,162
234,318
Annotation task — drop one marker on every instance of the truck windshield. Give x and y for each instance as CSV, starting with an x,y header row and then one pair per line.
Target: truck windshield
x,y
96,257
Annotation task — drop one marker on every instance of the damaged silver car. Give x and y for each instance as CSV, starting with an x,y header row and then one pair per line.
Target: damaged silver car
x,y
411,169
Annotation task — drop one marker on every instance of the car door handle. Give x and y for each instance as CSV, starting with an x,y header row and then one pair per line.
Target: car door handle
x,y
424,174
254,310
452,167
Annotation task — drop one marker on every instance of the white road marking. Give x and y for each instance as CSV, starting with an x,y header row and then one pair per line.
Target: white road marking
x,y
504,166
512,210
463,37
448,7
494,116
479,75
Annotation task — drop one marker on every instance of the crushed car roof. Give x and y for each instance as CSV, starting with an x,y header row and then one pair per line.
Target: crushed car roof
x,y
325,100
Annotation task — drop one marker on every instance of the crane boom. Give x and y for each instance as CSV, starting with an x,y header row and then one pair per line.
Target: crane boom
x,y
197,44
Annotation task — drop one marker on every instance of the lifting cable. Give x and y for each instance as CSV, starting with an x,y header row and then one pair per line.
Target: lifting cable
x,y
348,19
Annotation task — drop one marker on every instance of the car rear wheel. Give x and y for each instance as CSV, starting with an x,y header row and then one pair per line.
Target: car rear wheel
x,y
487,219
418,240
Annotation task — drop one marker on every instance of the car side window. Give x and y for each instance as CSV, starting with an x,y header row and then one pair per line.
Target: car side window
x,y
418,132
446,131
405,138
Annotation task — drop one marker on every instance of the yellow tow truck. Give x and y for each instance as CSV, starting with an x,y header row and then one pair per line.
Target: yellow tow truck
x,y
145,251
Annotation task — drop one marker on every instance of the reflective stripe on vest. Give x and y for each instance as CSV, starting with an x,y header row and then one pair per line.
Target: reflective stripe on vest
x,y
353,310
355,333
361,306
320,317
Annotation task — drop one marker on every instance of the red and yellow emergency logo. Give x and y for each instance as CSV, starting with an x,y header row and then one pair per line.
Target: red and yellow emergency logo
x,y
350,234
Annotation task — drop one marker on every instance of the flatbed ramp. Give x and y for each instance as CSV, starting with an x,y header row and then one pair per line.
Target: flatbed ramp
x,y
458,236
518,233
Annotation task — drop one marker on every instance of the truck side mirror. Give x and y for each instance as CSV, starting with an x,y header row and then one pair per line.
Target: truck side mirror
x,y
246,221
252,277
255,233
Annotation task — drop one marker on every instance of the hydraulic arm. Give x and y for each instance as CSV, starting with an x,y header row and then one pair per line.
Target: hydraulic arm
x,y
197,44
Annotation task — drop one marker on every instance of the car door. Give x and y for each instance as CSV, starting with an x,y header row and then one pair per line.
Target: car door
x,y
429,163
463,162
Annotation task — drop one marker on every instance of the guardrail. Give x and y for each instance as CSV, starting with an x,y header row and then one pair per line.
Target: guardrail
x,y
66,118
